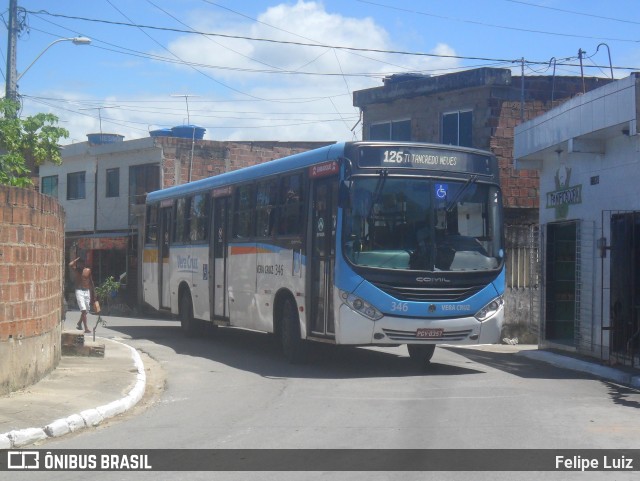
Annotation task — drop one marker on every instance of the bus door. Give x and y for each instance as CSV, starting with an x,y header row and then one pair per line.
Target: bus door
x,y
164,266
324,191
218,257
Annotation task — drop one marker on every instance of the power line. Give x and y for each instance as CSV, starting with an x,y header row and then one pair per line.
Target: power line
x,y
504,27
573,12
342,47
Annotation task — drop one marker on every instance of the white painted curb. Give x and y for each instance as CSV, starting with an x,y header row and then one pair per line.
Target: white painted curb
x,y
75,422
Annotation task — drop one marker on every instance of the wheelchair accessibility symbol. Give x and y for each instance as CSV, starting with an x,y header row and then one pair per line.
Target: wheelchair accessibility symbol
x,y
441,191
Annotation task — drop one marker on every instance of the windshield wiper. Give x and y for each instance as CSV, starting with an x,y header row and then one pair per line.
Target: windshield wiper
x,y
377,193
470,180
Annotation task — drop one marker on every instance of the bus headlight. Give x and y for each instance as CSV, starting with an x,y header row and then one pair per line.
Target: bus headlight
x,y
360,306
490,309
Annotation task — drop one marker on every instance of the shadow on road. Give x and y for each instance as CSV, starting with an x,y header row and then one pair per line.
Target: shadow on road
x,y
623,395
519,366
261,353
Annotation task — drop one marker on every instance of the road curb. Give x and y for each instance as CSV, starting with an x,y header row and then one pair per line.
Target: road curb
x,y
88,418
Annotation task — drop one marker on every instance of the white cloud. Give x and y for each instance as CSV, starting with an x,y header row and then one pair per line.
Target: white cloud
x,y
269,106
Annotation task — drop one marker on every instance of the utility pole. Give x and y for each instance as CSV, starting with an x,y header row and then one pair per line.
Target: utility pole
x,y
193,137
522,89
580,52
11,91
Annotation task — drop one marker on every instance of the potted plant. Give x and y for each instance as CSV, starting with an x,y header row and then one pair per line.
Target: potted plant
x,y
107,291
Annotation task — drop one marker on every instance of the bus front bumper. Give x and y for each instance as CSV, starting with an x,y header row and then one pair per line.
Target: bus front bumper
x,y
354,329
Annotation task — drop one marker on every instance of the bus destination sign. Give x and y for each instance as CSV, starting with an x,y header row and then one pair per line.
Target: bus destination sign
x,y
421,158
323,170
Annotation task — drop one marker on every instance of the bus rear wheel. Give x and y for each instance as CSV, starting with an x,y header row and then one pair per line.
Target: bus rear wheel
x,y
421,354
293,346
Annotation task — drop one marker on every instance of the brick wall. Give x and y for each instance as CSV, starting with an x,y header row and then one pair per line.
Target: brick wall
x,y
31,284
213,158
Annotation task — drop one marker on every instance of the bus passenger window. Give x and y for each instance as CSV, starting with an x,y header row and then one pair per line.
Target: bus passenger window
x,y
266,198
199,217
180,232
290,212
151,231
242,213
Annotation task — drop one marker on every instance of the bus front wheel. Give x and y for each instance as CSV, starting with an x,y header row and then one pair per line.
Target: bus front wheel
x,y
293,346
421,354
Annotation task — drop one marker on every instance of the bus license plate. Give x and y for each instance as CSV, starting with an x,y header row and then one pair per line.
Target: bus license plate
x,y
429,333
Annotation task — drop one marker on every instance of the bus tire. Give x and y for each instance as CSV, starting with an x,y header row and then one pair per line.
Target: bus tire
x,y
187,322
293,346
421,354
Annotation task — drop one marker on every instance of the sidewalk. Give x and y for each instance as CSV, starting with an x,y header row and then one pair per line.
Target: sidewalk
x,y
81,392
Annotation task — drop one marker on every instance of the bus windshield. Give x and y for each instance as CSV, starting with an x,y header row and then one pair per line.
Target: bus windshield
x,y
423,224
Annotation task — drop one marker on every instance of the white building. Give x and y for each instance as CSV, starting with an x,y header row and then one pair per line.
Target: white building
x,y
587,152
101,184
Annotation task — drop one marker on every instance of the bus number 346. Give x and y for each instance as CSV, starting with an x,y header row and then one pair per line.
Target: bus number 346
x,y
399,306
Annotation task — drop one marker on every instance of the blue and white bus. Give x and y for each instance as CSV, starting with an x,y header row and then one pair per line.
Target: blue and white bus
x,y
357,243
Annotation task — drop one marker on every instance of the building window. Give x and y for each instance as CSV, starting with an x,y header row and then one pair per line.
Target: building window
x,y
396,130
113,182
456,128
75,186
142,180
49,186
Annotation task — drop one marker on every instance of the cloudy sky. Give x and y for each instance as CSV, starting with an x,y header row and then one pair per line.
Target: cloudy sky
x,y
268,70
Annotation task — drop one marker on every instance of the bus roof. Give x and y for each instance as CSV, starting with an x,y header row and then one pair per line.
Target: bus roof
x,y
286,164
265,169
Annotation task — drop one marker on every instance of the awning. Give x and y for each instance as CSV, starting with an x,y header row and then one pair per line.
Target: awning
x,y
101,241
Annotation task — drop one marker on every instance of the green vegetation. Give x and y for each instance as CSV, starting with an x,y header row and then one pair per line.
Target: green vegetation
x,y
32,140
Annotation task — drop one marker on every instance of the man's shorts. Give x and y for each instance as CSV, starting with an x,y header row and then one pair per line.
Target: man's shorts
x,y
83,296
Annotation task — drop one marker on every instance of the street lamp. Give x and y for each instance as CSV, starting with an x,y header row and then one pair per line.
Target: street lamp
x,y
12,78
75,40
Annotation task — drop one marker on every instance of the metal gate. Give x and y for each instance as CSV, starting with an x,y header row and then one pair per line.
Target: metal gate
x,y
620,257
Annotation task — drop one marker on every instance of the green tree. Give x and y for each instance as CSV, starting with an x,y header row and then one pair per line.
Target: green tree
x,y
23,142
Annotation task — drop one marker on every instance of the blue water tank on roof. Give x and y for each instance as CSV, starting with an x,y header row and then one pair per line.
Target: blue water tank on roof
x,y
161,133
188,132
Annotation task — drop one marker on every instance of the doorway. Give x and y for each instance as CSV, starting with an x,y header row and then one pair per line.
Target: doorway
x,y
323,232
561,306
624,309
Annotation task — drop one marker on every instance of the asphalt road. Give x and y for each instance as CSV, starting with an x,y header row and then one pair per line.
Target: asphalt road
x,y
233,389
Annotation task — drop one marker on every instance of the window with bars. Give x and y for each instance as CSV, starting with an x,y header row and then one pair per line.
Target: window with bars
x,y
522,256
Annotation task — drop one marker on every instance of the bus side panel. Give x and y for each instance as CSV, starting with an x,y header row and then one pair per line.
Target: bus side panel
x,y
181,268
150,276
269,277
278,268
242,284
200,281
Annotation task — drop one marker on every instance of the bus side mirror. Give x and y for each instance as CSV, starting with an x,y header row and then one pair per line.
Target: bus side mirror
x,y
344,197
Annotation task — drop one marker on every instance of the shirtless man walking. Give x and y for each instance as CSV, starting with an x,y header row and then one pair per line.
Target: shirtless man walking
x,y
83,282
